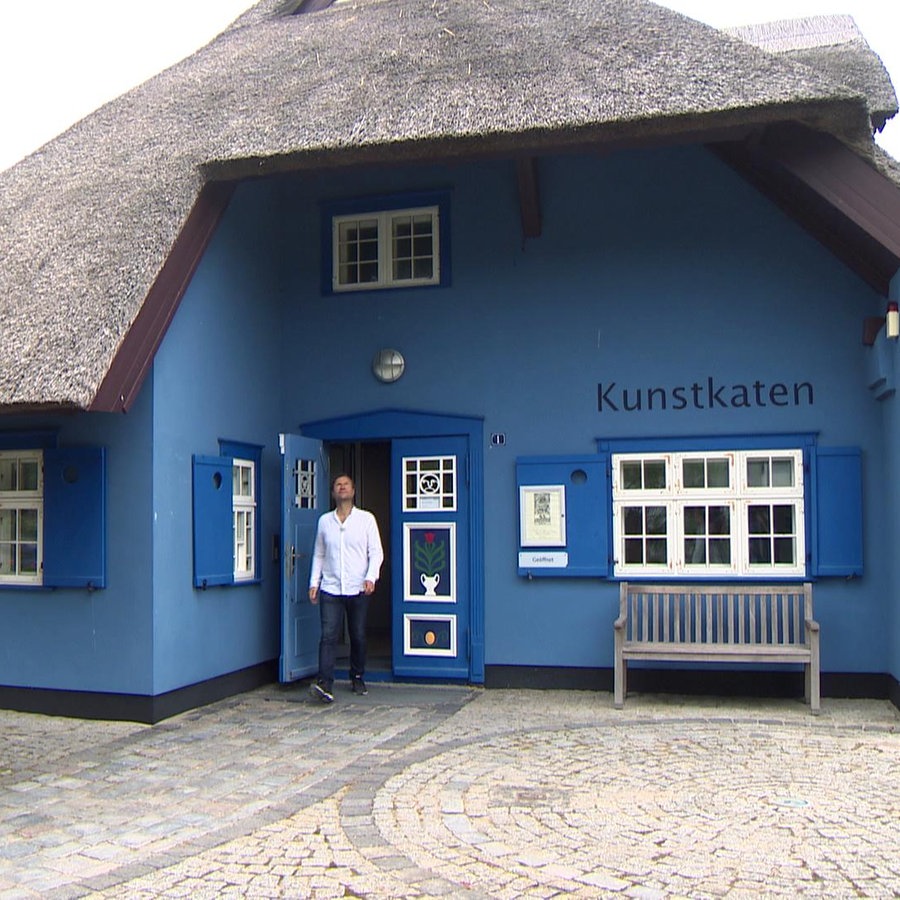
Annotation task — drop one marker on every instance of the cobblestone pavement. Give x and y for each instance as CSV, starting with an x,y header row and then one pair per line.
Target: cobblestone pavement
x,y
455,792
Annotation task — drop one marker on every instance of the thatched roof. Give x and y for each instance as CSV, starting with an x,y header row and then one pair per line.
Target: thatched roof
x,y
87,222
836,47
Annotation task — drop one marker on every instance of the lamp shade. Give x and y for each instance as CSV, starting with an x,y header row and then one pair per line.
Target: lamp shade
x,y
892,321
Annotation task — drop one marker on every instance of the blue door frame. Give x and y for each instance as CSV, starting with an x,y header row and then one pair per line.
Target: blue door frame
x,y
388,424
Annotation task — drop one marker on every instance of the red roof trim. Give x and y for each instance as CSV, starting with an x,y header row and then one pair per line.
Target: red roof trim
x,y
135,354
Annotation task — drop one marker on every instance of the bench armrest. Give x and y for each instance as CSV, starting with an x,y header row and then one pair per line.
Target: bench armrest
x,y
619,624
812,625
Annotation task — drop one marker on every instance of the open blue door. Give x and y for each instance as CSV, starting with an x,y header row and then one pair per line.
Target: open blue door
x,y
304,490
430,557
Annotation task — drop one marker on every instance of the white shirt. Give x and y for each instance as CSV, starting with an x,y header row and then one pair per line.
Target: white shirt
x,y
346,553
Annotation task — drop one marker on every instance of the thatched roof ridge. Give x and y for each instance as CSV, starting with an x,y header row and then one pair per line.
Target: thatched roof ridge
x,y
833,45
87,222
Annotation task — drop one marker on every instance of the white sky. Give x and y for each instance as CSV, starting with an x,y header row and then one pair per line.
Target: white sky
x,y
60,60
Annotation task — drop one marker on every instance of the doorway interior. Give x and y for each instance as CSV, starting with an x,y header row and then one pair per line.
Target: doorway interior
x,y
368,463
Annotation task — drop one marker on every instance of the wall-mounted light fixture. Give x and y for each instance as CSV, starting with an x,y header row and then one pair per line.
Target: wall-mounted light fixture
x,y
892,320
388,365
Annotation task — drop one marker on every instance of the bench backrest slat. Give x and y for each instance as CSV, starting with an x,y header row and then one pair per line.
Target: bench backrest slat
x,y
753,624
748,614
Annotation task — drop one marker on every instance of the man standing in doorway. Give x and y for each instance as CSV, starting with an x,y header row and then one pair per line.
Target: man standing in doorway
x,y
345,566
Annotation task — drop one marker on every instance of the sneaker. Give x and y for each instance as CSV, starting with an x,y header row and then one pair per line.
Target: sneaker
x,y
359,686
322,692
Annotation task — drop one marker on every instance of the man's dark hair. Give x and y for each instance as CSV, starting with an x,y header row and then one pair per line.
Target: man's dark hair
x,y
342,475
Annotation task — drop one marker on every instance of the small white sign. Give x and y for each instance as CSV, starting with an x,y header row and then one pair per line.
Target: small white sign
x,y
548,559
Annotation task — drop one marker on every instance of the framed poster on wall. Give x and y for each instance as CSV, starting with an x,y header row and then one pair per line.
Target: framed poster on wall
x,y
542,515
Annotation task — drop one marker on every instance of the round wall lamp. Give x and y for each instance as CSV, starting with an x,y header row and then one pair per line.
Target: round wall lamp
x,y
388,365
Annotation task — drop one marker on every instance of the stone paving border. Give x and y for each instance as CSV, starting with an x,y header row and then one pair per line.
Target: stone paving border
x,y
266,731
332,827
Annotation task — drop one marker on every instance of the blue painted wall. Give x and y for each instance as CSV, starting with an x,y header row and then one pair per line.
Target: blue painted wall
x,y
217,377
100,640
655,268
887,354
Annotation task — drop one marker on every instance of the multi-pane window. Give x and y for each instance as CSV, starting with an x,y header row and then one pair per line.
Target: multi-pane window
x,y
21,517
412,246
227,494
429,483
244,515
395,248
645,534
709,514
773,523
358,255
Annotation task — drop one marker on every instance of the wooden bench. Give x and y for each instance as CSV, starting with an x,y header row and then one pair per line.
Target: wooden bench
x,y
717,623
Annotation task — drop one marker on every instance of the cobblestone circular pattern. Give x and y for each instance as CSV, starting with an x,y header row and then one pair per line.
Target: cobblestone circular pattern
x,y
694,810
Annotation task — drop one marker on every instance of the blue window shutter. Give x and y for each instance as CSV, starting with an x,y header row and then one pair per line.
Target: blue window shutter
x,y
213,539
588,512
75,517
838,544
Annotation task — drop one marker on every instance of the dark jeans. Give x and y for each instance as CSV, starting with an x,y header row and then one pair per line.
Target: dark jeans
x,y
332,608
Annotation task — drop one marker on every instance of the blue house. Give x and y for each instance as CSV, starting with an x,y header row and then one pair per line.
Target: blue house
x,y
578,292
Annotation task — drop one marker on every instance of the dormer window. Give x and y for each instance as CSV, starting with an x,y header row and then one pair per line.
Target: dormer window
x,y
395,246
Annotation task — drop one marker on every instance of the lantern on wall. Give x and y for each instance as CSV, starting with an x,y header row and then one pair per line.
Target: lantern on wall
x,y
892,320
388,365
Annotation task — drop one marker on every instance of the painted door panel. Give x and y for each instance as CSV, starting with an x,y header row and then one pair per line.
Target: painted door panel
x,y
430,557
304,482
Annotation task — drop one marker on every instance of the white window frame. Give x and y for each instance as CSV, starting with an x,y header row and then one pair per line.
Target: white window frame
x,y
384,220
18,500
244,520
738,496
419,469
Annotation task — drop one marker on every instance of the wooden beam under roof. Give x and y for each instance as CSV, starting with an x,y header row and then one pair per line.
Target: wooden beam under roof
x,y
835,194
529,196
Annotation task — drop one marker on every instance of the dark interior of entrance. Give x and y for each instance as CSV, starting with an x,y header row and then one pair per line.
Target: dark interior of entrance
x,y
369,465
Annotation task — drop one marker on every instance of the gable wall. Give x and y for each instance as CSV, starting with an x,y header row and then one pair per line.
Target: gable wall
x,y
217,377
654,269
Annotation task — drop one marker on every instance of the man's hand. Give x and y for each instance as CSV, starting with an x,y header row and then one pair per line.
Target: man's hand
x,y
314,595
368,587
